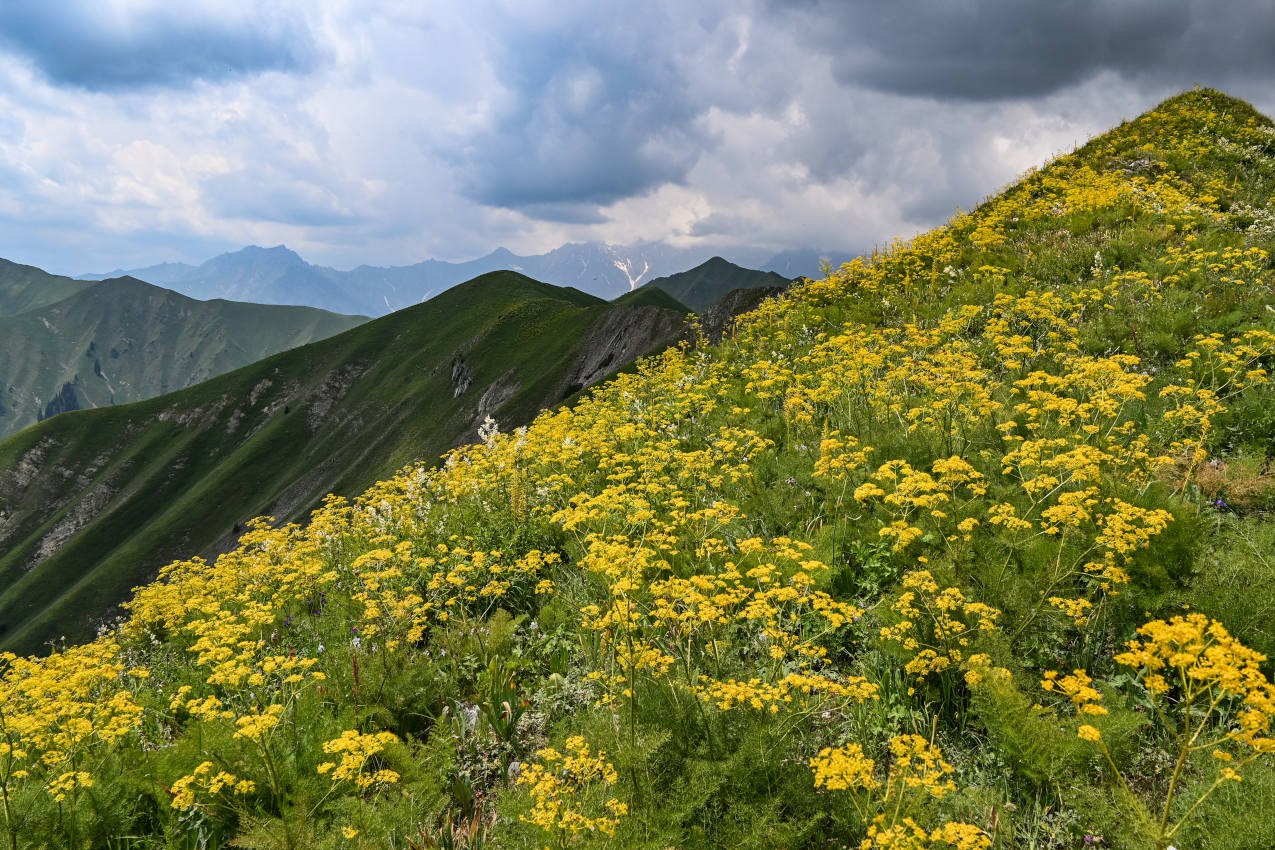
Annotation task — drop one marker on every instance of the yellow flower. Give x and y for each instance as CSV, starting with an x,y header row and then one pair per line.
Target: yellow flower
x,y
842,768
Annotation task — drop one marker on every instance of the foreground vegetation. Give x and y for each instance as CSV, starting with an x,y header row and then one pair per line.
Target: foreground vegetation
x,y
962,547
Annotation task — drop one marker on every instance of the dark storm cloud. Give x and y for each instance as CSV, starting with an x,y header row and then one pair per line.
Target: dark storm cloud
x,y
404,130
997,49
598,113
93,46
565,213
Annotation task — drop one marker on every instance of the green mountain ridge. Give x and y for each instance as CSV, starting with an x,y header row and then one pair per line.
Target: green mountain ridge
x,y
124,340
25,288
653,295
706,284
93,502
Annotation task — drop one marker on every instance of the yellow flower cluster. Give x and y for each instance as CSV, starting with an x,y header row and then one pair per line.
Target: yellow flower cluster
x,y
916,767
765,598
914,764
936,625
1203,267
203,779
68,783
1198,658
256,725
918,764
564,787
356,751
907,834
843,768
1078,688
794,690
403,591
57,712
1206,687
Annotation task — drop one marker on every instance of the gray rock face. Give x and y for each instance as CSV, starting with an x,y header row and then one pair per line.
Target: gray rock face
x,y
64,402
462,377
618,337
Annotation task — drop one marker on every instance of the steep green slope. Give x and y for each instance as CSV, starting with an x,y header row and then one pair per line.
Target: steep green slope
x,y
965,547
123,340
94,502
25,288
701,287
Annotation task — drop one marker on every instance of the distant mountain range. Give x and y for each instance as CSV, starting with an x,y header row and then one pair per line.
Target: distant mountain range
x,y
68,344
280,276
94,502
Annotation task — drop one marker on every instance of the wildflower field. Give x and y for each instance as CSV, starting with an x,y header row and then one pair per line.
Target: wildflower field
x,y
963,546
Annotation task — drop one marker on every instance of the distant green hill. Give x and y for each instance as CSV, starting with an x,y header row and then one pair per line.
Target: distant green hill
x,y
653,295
123,340
92,503
25,288
706,284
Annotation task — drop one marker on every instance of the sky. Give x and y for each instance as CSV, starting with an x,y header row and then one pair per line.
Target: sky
x,y
134,132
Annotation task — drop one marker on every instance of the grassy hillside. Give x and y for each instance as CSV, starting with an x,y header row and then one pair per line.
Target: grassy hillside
x,y
701,287
965,546
123,340
95,502
25,288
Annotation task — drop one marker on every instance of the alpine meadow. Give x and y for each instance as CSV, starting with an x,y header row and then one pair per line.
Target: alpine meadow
x,y
966,545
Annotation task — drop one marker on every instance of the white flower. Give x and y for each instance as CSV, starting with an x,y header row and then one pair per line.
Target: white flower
x,y
488,430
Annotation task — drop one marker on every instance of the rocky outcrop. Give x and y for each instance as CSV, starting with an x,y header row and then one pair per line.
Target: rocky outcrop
x,y
334,388
500,391
462,376
82,512
618,337
64,402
